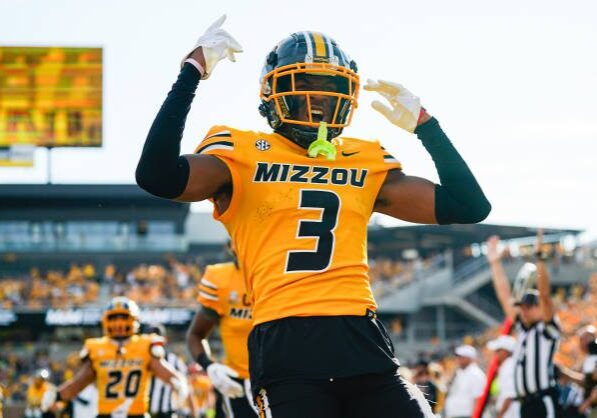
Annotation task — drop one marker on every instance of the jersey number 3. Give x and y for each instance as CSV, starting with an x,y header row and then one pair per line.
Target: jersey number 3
x,y
323,230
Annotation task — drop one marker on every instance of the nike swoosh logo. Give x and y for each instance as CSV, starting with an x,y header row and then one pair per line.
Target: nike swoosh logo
x,y
348,154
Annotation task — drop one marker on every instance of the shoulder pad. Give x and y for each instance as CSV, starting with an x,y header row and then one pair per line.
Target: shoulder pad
x,y
89,347
217,138
157,350
212,277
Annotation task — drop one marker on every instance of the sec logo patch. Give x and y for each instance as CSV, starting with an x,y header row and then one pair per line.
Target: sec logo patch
x,y
262,145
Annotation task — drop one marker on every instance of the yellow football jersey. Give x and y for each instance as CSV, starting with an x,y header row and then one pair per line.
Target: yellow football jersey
x,y
122,371
299,224
36,394
223,289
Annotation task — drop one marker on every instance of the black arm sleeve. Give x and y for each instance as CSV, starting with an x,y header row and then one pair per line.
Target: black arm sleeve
x,y
161,170
459,198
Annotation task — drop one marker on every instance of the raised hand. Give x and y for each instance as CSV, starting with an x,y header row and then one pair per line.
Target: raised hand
x,y
493,253
405,108
211,47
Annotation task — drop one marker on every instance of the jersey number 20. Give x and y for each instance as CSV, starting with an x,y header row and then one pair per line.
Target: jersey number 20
x,y
131,384
323,230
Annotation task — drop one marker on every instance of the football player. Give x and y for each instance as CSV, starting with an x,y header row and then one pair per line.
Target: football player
x,y
121,364
296,203
224,300
38,387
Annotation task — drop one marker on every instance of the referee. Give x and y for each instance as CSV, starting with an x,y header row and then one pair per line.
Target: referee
x,y
160,394
538,335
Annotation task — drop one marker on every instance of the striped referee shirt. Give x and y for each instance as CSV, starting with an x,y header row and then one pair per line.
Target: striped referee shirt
x,y
160,393
535,348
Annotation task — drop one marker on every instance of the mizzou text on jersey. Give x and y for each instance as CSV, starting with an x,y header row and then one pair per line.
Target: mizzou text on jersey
x,y
223,289
299,224
122,371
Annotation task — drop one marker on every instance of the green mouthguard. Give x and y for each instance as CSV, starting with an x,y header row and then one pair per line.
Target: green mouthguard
x,y
321,146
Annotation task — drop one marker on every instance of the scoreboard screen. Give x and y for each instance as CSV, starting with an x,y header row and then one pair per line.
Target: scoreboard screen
x,y
50,96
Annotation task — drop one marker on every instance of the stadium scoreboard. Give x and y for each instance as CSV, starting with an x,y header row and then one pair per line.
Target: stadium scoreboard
x,y
50,96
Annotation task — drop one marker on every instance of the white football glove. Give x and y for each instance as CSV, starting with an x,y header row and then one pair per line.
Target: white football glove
x,y
220,376
217,43
405,107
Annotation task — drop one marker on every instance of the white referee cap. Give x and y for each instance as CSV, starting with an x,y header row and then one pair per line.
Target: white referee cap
x,y
466,351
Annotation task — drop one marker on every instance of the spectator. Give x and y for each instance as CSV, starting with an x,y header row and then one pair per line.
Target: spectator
x,y
589,405
586,336
438,377
571,396
506,405
466,386
423,379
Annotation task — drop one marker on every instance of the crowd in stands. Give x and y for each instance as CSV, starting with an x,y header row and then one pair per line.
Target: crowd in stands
x,y
171,283
174,284
76,287
174,281
387,274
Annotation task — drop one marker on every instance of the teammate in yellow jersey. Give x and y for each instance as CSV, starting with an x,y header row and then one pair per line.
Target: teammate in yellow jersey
x,y
224,300
121,364
296,203
38,387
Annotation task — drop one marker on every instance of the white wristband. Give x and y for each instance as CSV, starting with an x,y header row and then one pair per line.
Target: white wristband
x,y
195,64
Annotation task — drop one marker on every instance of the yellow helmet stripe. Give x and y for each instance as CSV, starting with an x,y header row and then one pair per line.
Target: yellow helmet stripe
x,y
320,47
328,42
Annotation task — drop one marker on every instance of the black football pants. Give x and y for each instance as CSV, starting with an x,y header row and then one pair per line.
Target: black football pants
x,y
369,396
329,367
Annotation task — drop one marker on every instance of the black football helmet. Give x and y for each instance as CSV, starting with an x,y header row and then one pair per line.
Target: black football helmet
x,y
303,55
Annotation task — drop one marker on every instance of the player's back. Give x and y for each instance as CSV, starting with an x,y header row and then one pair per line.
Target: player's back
x,y
300,224
122,372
